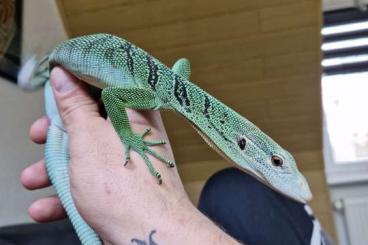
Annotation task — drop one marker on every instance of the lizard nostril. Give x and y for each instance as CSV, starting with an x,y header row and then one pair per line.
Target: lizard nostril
x,y
241,143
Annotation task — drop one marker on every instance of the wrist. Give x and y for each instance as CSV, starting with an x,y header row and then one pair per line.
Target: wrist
x,y
187,225
192,227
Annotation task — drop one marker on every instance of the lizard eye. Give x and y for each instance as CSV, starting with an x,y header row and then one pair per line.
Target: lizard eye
x,y
277,161
242,143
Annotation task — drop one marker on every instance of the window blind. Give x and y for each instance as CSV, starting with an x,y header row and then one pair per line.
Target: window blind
x,y
345,41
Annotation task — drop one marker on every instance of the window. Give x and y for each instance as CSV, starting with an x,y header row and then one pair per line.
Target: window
x,y
345,86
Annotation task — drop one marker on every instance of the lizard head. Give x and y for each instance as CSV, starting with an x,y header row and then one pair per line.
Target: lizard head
x,y
273,165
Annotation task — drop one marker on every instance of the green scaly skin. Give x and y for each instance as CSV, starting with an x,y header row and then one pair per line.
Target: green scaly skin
x,y
131,78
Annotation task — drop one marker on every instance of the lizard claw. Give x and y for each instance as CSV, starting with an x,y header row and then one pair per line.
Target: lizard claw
x,y
159,179
170,164
147,131
153,143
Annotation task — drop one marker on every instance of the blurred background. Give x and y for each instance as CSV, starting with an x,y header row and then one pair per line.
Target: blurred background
x,y
296,68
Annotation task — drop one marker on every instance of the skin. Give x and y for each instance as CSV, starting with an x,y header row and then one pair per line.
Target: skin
x,y
120,204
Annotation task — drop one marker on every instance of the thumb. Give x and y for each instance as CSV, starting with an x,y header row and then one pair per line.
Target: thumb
x,y
75,105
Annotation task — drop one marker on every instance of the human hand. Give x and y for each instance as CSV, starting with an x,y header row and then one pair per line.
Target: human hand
x,y
120,203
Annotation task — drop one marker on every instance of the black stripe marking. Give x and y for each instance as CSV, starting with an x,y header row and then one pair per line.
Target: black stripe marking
x,y
219,132
90,45
109,54
180,92
130,61
88,48
127,48
207,105
153,72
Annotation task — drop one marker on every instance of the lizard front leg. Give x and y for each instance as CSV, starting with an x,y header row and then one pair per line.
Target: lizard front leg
x,y
116,99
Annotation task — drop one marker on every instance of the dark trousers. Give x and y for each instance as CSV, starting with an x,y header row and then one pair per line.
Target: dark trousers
x,y
252,213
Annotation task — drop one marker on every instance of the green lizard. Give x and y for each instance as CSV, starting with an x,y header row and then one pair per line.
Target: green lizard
x,y
131,78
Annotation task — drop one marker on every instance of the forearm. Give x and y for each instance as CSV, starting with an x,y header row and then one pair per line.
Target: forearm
x,y
184,225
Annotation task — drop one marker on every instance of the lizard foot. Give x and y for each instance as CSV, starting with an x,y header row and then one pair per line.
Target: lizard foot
x,y
137,143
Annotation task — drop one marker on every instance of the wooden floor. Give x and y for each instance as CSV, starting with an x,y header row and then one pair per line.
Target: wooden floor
x,y
261,57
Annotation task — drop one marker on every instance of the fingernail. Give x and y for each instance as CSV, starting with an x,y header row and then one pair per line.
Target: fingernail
x,y
62,82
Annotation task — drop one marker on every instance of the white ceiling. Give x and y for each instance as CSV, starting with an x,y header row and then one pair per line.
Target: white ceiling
x,y
339,4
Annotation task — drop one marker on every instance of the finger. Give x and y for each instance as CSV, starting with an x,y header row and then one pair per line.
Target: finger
x,y
38,130
75,105
35,176
47,209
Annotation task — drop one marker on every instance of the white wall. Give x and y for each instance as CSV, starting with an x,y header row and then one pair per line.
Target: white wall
x,y
17,110
43,27
42,30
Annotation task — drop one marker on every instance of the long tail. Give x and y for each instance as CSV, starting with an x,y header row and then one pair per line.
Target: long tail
x,y
33,73
57,160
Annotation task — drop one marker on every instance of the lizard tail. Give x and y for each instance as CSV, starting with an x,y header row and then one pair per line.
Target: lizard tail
x,y
57,165
57,160
33,74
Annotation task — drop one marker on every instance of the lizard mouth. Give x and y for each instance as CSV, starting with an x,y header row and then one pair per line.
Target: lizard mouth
x,y
301,195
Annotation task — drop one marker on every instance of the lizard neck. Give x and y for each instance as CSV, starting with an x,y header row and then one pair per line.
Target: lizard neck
x,y
220,126
216,123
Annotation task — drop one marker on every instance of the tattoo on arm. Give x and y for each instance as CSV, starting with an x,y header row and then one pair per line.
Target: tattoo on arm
x,y
143,242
